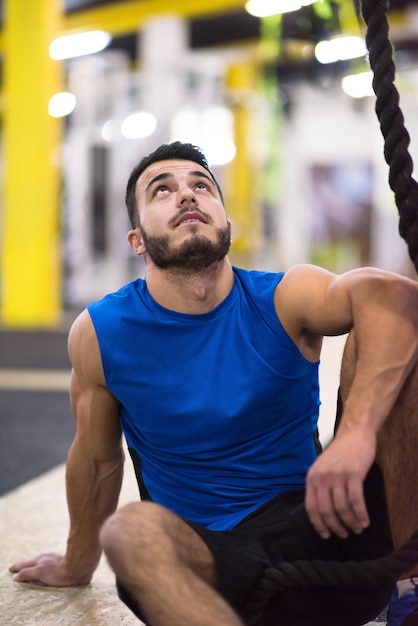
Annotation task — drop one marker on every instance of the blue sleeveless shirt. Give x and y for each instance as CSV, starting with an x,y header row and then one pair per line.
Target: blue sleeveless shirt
x,y
219,408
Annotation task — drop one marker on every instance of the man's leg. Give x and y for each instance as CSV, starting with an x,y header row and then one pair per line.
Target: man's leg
x,y
397,450
165,567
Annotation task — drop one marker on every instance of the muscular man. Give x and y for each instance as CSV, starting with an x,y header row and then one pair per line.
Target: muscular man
x,y
211,374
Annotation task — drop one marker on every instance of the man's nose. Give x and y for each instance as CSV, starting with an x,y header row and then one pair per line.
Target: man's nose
x,y
185,195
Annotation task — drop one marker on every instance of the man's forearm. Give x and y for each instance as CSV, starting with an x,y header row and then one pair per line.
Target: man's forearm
x,y
92,494
386,337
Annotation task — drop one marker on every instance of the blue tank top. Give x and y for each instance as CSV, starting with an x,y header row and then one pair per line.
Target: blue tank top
x,y
219,407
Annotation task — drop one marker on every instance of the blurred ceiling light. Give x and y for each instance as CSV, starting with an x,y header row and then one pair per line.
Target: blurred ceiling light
x,y
265,8
77,45
110,132
211,129
219,151
138,125
218,143
358,85
340,49
61,104
218,118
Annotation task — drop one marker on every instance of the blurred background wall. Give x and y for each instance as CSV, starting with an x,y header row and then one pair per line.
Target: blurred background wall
x,y
291,135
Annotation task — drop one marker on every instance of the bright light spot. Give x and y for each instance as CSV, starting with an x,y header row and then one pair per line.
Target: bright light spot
x,y
138,125
110,132
219,151
217,120
264,8
61,104
78,45
340,49
185,125
211,129
358,85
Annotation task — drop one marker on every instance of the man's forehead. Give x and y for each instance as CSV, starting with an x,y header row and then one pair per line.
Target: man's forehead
x,y
171,167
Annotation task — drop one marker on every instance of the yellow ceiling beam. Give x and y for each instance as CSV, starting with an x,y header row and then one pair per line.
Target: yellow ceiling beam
x,y
129,15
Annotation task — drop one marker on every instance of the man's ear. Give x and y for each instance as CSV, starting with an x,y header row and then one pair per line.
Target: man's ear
x,y
230,228
136,242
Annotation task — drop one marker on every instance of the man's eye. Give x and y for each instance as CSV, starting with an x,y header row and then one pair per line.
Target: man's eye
x,y
202,186
161,188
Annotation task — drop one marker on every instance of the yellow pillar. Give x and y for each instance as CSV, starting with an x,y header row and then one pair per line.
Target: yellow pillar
x,y
242,189
30,229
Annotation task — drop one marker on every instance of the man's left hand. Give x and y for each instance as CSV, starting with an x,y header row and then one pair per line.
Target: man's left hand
x,y
334,488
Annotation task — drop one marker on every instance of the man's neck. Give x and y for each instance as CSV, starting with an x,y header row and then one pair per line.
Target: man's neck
x,y
190,292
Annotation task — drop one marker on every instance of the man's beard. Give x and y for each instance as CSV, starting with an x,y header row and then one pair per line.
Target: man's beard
x,y
195,254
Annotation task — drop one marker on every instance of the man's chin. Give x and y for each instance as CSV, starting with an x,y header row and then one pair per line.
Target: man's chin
x,y
195,253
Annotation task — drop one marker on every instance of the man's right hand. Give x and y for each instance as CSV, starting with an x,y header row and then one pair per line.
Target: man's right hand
x,y
49,569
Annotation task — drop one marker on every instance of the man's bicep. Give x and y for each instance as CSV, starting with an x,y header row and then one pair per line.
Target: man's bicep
x,y
96,412
95,409
361,293
312,300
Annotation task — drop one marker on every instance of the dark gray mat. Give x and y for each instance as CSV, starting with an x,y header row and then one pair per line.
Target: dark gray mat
x,y
36,431
36,427
34,349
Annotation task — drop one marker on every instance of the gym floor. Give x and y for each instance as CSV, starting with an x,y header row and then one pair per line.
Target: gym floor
x,y
36,429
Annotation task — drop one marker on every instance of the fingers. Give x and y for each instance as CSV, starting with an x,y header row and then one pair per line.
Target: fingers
x,y
336,507
26,571
49,569
45,569
322,512
16,567
27,574
359,515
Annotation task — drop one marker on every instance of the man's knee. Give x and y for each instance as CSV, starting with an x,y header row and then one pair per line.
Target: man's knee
x,y
135,525
146,534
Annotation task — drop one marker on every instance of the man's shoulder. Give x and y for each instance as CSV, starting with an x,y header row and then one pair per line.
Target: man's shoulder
x,y
257,279
82,338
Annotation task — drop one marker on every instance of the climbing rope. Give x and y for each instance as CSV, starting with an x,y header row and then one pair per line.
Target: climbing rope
x,y
363,574
396,137
353,574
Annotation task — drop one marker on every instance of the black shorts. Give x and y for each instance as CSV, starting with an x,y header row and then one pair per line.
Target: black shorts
x,y
281,531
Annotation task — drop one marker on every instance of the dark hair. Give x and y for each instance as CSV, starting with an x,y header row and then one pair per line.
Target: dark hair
x,y
174,151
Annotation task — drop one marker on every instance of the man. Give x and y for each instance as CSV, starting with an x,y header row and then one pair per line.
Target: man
x,y
210,372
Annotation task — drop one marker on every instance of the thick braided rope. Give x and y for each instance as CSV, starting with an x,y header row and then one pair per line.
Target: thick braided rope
x,y
353,574
396,137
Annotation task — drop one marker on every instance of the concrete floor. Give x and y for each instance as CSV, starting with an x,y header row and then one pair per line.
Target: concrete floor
x,y
33,519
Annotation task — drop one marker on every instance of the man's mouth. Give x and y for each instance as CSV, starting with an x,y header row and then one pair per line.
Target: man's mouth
x,y
190,218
